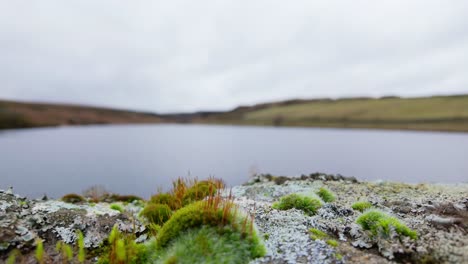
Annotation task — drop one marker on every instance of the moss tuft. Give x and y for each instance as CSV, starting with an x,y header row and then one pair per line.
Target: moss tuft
x,y
117,207
379,223
207,245
326,195
156,213
332,242
165,198
73,198
216,213
307,204
317,234
361,206
199,191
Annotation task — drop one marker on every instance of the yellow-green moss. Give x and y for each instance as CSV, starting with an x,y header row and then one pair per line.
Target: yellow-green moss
x,y
361,206
326,195
156,213
308,205
378,222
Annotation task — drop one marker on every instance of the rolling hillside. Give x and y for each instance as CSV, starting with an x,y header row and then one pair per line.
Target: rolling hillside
x,y
24,115
442,113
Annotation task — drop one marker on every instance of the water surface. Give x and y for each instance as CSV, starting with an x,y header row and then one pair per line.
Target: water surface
x,y
138,158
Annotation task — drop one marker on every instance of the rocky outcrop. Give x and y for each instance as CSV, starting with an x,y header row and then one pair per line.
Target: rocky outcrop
x,y
22,221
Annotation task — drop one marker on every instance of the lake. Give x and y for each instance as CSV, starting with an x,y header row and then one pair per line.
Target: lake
x,y
139,159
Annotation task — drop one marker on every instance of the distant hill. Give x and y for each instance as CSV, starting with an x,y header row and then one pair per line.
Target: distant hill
x,y
25,115
438,113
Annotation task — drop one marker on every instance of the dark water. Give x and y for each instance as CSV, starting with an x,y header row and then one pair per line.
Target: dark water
x,y
138,159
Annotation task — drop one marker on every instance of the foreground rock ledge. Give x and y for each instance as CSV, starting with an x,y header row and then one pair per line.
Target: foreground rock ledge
x,y
437,212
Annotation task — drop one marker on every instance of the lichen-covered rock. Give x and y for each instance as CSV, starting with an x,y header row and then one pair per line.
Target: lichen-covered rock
x,y
437,212
22,221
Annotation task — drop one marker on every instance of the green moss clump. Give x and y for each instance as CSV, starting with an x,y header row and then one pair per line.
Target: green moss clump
x,y
207,245
165,198
317,234
378,222
326,195
307,204
73,198
332,242
156,213
117,207
361,206
215,213
199,191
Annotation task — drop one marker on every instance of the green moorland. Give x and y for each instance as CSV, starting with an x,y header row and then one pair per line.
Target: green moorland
x,y
441,113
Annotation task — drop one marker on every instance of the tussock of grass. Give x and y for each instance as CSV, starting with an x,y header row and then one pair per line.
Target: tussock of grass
x,y
361,206
326,195
308,205
379,223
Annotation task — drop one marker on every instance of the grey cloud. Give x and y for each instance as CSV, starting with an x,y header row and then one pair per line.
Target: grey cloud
x,y
193,55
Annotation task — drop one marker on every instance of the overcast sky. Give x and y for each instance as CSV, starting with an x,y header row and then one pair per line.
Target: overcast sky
x,y
214,55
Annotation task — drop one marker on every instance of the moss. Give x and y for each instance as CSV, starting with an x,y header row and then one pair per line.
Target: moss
x,y
117,207
317,234
165,198
156,213
199,191
213,212
332,242
207,245
326,195
379,223
73,198
308,205
361,206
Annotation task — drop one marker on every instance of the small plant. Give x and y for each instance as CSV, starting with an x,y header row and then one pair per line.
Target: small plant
x,y
65,251
326,195
317,234
39,252
156,213
361,206
307,204
378,222
117,207
13,256
332,242
122,249
73,198
81,247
